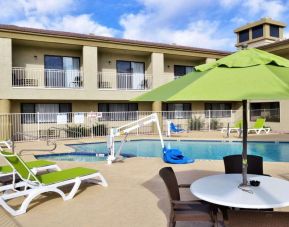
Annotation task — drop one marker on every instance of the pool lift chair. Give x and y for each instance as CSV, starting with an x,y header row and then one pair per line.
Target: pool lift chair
x,y
173,156
124,131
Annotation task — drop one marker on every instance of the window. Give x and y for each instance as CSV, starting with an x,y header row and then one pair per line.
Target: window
x,y
257,31
130,75
274,31
176,110
181,70
62,71
268,110
218,110
47,112
244,36
115,111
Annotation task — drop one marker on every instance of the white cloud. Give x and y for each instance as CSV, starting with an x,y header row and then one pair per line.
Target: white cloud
x,y
80,24
199,33
157,23
83,24
26,8
50,14
268,8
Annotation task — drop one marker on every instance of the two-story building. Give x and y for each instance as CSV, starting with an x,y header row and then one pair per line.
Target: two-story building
x,y
52,71
45,71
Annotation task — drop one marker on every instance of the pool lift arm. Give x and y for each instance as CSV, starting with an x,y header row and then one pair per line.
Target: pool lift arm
x,y
125,130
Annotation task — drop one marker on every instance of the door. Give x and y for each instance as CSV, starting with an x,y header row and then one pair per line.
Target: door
x,y
138,75
123,69
54,76
71,68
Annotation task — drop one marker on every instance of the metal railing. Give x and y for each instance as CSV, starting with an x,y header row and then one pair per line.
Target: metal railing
x,y
124,81
46,78
96,124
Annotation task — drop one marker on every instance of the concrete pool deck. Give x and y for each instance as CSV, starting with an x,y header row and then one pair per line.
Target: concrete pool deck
x,y
136,196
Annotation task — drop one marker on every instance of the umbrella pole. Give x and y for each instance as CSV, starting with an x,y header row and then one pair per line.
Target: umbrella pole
x,y
244,152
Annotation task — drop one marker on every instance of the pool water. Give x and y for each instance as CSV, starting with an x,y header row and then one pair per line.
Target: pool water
x,y
209,150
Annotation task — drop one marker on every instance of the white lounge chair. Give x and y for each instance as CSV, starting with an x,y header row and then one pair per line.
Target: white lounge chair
x,y
32,185
5,144
235,128
259,127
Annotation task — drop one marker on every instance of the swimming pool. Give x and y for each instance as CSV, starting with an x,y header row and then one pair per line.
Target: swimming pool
x,y
209,150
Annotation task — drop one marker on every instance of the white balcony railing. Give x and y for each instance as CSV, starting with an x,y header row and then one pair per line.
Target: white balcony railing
x,y
46,78
124,81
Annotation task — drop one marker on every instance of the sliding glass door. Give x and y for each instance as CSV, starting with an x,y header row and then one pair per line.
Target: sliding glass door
x,y
61,71
130,75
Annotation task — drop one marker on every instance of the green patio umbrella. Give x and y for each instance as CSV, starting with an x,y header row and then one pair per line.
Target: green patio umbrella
x,y
244,75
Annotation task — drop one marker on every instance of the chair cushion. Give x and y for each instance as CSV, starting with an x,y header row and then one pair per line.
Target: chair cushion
x,y
31,165
63,175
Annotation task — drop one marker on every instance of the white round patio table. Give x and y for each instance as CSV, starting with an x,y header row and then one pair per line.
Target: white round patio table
x,y
223,190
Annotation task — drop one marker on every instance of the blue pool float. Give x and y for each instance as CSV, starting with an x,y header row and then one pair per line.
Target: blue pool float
x,y
175,156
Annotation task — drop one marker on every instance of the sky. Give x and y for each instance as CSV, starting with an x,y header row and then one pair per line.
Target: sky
x,y
197,23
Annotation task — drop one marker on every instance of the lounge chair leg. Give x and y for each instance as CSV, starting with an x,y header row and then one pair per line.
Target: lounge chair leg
x,y
73,190
98,180
27,201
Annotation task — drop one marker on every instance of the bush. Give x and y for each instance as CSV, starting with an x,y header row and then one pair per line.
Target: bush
x,y
196,123
100,130
78,131
214,124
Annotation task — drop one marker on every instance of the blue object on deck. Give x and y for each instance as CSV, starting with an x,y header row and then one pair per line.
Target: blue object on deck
x,y
174,128
175,156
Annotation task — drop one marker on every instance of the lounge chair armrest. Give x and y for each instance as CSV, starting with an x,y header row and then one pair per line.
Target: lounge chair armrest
x,y
184,185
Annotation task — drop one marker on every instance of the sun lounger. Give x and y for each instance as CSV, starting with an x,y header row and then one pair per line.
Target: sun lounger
x,y
32,185
235,128
259,127
6,144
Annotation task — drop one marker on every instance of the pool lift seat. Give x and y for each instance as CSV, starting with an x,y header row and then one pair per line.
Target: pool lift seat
x,y
125,130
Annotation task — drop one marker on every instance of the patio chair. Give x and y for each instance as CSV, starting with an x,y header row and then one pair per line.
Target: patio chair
x,y
34,185
236,128
233,164
259,127
245,218
196,211
175,129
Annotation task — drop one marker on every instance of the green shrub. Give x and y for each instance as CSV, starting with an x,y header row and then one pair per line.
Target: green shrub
x,y
214,124
100,130
196,123
78,131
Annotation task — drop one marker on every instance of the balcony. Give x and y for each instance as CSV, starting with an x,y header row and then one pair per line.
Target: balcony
x,y
124,81
46,78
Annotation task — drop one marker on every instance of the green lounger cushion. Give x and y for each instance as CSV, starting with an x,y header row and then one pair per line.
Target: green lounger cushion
x,y
31,165
63,175
259,123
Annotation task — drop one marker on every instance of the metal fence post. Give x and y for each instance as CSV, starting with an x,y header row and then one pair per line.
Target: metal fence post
x,y
38,126
209,120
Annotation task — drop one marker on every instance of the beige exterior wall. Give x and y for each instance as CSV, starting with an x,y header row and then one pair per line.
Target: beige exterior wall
x,y
169,64
6,68
5,106
107,61
157,65
33,56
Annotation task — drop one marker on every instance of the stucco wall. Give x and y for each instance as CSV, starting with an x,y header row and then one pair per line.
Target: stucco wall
x,y
33,56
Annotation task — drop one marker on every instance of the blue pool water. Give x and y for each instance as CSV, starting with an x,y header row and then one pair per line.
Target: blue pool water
x,y
209,150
